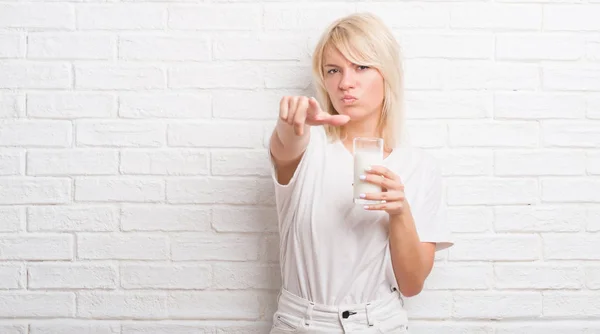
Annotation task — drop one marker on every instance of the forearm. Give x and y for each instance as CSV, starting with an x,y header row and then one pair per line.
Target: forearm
x,y
410,263
285,144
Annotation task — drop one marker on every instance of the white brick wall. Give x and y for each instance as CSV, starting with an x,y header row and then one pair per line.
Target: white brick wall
x,y
134,182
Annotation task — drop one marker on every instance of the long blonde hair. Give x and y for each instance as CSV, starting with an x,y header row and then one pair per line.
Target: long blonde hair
x,y
365,40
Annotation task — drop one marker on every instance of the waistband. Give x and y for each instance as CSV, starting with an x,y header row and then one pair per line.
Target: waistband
x,y
368,313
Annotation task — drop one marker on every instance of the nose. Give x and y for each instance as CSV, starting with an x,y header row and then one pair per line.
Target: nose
x,y
348,80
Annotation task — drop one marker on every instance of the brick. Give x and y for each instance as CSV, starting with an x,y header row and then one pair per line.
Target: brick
x,y
562,246
12,45
288,76
121,133
533,106
47,133
460,277
593,106
465,162
593,220
462,74
119,77
220,191
35,190
592,277
302,17
36,247
270,251
146,276
12,276
72,162
204,247
12,105
441,105
165,105
561,304
71,276
409,15
539,163
121,16
497,305
70,46
164,47
244,219
457,327
223,305
215,134
240,104
240,163
571,18
427,134
12,162
496,16
116,246
10,219
37,305
469,219
164,218
494,191
37,16
72,218
234,276
424,74
487,134
430,305
571,78
446,45
532,276
539,218
573,190
78,327
550,327
107,189
239,327
164,162
215,17
167,328
35,75
119,305
70,105
592,49
260,47
539,47
13,329
221,75
496,248
571,134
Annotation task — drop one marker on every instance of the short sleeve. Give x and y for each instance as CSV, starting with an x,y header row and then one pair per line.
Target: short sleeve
x,y
429,211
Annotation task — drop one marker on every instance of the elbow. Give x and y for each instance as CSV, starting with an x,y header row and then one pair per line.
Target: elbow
x,y
411,291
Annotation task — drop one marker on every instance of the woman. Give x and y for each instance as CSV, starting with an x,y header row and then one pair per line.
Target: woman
x,y
345,266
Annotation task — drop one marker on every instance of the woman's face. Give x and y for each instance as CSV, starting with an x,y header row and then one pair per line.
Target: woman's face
x,y
356,91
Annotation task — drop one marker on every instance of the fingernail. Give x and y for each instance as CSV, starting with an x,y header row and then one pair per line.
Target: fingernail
x,y
368,168
362,195
366,207
362,177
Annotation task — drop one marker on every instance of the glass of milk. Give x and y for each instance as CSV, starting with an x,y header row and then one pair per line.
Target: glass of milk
x,y
367,152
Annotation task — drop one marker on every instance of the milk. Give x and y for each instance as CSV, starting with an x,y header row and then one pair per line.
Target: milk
x,y
362,160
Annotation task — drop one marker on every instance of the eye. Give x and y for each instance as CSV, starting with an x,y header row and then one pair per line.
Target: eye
x,y
361,67
331,71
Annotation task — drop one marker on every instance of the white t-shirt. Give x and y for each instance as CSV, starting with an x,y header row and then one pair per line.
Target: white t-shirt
x,y
335,252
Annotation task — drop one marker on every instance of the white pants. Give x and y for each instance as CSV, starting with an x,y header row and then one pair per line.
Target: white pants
x,y
297,315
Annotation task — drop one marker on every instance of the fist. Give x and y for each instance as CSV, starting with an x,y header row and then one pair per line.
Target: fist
x,y
299,111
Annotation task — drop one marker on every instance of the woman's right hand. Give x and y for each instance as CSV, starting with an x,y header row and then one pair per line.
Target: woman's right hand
x,y
299,111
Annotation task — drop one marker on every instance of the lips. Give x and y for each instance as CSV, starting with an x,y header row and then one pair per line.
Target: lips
x,y
348,99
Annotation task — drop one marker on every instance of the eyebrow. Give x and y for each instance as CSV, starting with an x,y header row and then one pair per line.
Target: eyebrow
x,y
330,65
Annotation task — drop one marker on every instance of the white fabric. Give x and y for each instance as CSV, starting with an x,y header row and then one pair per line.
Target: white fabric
x,y
334,251
297,315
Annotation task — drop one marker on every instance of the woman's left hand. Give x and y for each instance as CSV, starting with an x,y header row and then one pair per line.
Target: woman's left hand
x,y
392,194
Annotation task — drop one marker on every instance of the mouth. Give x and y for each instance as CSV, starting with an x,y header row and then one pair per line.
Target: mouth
x,y
348,99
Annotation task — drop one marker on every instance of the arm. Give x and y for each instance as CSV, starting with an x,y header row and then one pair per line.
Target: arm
x,y
412,259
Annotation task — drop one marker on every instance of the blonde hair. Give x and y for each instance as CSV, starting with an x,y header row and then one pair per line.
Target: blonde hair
x,y
365,40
